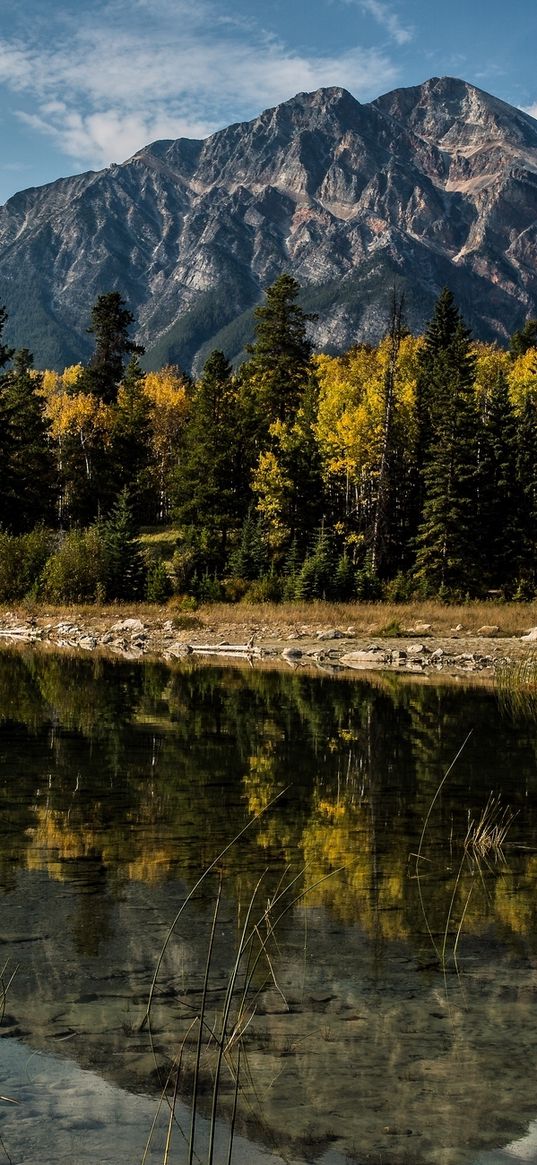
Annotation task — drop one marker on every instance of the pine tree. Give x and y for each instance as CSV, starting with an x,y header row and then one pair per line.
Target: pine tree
x,y
499,499
28,471
526,455
288,480
280,358
208,490
445,331
447,561
130,450
524,339
250,558
110,324
125,569
384,540
6,354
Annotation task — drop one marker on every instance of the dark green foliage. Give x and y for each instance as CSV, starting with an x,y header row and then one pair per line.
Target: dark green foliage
x,y
125,568
76,572
368,586
110,324
250,559
280,357
315,580
446,332
524,339
209,490
389,532
447,561
28,481
267,589
6,353
526,458
157,583
130,452
22,559
344,583
499,498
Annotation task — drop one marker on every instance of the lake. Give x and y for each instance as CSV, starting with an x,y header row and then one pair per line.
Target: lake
x,y
383,1005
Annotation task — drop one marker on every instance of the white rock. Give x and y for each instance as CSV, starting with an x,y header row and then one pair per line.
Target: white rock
x,y
128,625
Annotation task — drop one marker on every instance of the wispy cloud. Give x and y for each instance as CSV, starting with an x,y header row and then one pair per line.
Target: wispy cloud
x,y
531,109
387,17
164,68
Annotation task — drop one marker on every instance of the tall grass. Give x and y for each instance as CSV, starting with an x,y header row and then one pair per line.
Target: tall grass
x,y
484,841
517,686
223,1015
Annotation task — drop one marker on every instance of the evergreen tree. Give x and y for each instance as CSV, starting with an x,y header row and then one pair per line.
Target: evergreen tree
x,y
445,331
288,480
316,578
526,455
524,339
208,491
6,354
125,569
280,357
130,452
110,324
385,549
28,470
447,561
499,500
250,558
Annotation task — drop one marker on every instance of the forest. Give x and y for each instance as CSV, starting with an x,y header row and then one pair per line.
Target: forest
x,y
398,470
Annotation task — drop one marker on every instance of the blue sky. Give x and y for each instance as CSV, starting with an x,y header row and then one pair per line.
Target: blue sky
x,y
86,84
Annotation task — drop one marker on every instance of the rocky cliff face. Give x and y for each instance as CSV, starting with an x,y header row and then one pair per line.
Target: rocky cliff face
x,y
425,186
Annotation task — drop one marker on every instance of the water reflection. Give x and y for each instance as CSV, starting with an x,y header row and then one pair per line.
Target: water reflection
x,y
398,988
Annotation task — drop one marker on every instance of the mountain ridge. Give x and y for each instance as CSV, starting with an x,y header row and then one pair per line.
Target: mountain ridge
x,y
423,186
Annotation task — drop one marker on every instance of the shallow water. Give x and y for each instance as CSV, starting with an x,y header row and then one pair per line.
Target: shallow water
x,y
389,1016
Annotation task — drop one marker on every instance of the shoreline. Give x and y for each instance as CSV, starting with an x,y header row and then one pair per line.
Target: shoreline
x,y
313,646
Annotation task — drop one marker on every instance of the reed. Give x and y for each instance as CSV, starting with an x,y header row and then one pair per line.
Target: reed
x,y
517,686
486,835
222,1017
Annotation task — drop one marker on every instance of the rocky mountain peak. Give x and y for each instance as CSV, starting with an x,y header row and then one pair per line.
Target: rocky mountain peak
x,y
427,185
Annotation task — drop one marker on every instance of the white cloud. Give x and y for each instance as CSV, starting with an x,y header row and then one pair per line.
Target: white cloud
x,y
385,15
113,80
531,109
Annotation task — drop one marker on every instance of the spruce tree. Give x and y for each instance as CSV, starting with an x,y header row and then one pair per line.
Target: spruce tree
x,y
524,339
526,455
445,331
28,471
447,560
280,357
209,490
125,569
110,324
499,498
130,451
385,547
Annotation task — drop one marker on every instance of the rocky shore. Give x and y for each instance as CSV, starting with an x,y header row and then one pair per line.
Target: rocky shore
x,y
415,650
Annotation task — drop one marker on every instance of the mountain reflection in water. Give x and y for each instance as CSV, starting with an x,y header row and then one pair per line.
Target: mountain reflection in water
x,y
396,1021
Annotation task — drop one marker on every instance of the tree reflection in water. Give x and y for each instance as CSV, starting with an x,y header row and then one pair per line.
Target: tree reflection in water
x,y
119,785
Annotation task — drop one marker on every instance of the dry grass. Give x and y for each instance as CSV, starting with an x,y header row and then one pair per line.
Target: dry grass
x,y
378,618
517,686
427,618
486,836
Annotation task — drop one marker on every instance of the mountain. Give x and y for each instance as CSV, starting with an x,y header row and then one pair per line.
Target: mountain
x,y
426,186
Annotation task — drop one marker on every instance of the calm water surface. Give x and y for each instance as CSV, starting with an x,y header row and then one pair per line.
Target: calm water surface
x,y
385,1006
